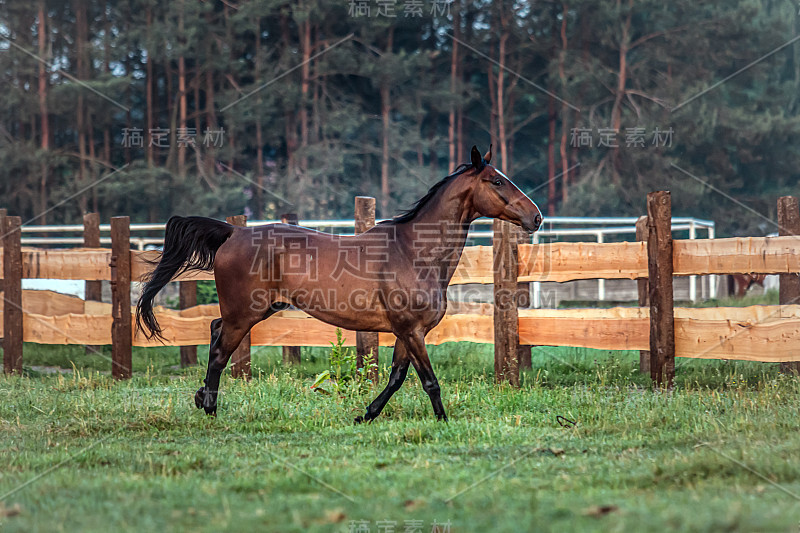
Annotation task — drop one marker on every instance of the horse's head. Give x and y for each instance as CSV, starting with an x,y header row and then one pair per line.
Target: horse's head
x,y
496,196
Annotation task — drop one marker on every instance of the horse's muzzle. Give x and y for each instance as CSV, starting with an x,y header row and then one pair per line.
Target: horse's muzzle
x,y
532,224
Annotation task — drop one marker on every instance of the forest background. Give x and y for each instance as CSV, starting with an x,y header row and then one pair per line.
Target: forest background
x,y
218,107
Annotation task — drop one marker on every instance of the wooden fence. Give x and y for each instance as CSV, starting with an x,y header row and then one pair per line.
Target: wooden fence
x,y
661,332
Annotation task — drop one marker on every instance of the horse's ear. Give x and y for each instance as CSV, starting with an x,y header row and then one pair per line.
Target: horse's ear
x,y
488,157
477,160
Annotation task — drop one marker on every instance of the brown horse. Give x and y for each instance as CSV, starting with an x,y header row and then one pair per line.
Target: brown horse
x,y
739,284
392,278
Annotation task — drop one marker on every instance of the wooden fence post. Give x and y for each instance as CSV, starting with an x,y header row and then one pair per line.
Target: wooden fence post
x,y
644,301
789,224
12,285
366,341
291,354
121,330
187,299
659,267
240,359
91,239
3,213
506,294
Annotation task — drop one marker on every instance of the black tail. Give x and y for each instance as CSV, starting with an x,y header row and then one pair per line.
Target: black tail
x,y
190,243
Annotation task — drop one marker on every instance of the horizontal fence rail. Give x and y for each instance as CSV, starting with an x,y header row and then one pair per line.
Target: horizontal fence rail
x,y
562,261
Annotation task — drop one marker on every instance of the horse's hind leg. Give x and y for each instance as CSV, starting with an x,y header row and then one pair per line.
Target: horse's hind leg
x,y
400,361
216,330
225,338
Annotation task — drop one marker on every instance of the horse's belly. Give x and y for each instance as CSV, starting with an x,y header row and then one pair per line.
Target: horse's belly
x,y
355,322
358,308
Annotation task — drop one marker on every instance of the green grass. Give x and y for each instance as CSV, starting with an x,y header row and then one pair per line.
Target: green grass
x,y
278,452
769,297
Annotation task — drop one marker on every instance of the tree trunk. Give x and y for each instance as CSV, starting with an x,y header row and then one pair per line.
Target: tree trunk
x,y
80,114
182,95
616,110
304,85
45,123
211,117
386,108
586,54
290,124
564,110
92,158
149,89
290,134
501,112
232,59
434,157
316,119
170,112
551,157
198,124
107,67
509,107
491,83
451,123
492,104
420,118
258,193
459,135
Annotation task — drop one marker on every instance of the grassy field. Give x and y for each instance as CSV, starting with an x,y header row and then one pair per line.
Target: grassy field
x,y
83,453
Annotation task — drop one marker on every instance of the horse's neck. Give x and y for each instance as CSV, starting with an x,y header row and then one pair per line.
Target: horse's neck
x,y
437,235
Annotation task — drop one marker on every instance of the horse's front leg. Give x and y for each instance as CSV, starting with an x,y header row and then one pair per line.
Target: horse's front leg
x,y
418,353
400,361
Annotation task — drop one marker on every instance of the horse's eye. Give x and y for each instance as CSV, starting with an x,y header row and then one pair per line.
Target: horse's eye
x,y
498,182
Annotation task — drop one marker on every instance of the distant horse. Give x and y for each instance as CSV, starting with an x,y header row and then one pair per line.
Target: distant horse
x,y
392,278
739,284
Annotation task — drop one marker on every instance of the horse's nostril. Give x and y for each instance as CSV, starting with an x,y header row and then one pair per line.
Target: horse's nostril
x,y
537,220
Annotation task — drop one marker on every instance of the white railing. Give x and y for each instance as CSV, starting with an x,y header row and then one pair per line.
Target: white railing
x,y
551,229
548,229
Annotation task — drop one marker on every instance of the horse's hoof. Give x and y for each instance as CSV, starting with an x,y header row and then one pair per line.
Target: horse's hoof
x,y
359,420
198,397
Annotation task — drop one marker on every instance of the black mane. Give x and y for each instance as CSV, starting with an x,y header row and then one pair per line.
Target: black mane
x,y
410,213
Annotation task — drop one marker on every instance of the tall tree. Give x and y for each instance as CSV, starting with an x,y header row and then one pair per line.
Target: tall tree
x,y
43,112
